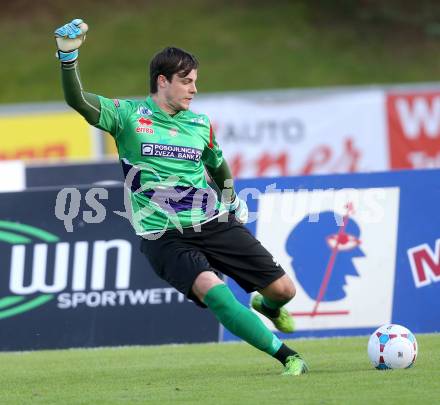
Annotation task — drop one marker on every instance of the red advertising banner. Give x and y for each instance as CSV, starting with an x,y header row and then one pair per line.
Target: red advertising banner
x,y
414,129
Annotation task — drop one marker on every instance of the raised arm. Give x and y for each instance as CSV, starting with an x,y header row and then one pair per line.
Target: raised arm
x,y
69,38
87,104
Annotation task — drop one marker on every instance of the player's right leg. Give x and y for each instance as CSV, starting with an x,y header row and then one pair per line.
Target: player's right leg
x,y
179,261
232,314
242,322
233,250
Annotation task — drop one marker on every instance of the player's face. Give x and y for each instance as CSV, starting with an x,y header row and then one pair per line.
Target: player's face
x,y
180,91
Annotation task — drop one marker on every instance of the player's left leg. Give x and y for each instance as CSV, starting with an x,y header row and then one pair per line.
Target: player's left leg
x,y
271,300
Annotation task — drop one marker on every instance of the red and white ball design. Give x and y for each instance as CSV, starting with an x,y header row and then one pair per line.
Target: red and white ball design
x,y
392,346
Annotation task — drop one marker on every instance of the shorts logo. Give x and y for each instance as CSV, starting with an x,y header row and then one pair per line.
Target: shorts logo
x,y
144,111
116,103
171,151
145,123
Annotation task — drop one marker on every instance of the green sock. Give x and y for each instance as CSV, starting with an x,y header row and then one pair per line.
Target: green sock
x,y
240,320
271,308
273,304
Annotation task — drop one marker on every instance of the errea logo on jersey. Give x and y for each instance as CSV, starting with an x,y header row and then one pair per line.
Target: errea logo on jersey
x,y
145,121
144,126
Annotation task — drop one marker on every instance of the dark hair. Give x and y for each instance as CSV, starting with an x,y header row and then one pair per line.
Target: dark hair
x,y
168,62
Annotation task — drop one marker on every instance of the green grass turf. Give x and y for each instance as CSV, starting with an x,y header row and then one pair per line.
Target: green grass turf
x,y
216,374
241,45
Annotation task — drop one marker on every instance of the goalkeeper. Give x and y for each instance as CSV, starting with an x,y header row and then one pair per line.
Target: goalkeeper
x,y
188,234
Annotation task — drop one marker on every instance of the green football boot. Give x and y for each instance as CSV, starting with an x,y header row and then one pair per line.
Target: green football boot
x,y
295,365
283,322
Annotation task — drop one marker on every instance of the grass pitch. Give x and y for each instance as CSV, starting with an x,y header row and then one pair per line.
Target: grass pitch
x,y
216,374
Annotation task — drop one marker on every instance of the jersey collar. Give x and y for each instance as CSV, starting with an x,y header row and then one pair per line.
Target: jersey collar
x,y
157,110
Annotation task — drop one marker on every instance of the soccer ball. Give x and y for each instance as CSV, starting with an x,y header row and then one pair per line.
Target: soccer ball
x,y
392,346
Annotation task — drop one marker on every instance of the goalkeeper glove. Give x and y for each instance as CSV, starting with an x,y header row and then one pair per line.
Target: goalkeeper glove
x,y
69,38
239,208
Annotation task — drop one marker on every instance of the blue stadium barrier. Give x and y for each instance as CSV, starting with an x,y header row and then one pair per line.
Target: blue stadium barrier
x,y
87,288
363,250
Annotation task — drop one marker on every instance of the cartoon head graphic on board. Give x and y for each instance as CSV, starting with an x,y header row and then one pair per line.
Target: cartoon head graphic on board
x,y
322,253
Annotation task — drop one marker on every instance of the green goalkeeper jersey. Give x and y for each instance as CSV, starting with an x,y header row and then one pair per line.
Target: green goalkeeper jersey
x,y
163,158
